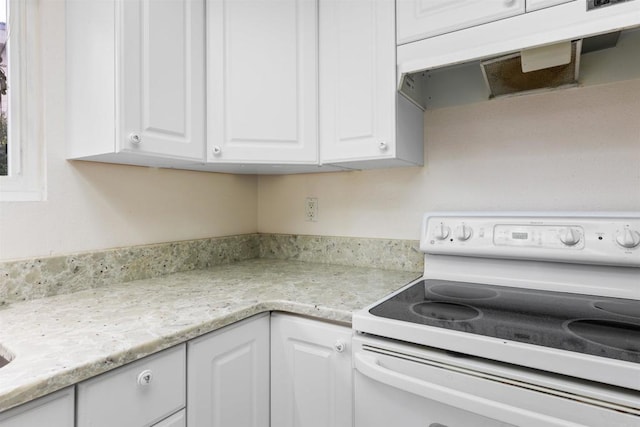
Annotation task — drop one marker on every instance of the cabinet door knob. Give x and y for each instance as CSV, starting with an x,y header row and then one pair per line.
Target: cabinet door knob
x,y
339,346
135,138
217,150
144,377
509,2
383,146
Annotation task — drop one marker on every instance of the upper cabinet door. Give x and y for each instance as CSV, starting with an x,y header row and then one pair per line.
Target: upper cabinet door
x,y
262,81
163,78
419,19
357,80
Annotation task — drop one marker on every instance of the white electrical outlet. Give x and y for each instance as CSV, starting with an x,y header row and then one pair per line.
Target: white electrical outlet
x,y
311,209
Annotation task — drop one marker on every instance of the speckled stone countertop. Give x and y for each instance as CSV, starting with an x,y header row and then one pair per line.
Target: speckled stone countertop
x,y
61,340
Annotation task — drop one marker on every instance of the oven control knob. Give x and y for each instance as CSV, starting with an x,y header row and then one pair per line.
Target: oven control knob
x,y
463,232
441,231
628,238
569,236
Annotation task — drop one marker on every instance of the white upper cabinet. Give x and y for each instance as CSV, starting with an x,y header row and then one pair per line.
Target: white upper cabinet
x,y
360,112
240,86
136,81
419,19
163,77
262,89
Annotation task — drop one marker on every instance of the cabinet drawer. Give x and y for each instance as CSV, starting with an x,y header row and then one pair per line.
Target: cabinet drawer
x,y
138,394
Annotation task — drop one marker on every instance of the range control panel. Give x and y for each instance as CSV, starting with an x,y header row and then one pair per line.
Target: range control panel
x,y
613,240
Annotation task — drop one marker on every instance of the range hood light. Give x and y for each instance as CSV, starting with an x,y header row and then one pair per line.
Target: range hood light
x,y
542,57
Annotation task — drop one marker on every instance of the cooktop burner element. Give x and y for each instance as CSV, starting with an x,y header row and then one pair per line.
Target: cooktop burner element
x,y
446,311
619,335
574,322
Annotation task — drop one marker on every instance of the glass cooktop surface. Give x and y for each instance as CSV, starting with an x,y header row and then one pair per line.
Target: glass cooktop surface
x,y
600,326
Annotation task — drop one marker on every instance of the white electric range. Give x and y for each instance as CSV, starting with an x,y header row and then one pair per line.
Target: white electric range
x,y
519,319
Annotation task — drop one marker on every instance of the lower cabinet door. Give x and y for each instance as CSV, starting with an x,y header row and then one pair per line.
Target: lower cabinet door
x,y
311,375
53,410
228,376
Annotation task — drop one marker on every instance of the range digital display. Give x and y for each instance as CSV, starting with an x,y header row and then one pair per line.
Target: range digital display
x,y
518,235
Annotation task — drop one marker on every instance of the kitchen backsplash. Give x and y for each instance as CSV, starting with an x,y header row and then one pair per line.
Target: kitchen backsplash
x,y
47,276
42,277
387,254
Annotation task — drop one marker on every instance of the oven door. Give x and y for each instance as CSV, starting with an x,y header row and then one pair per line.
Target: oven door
x,y
402,385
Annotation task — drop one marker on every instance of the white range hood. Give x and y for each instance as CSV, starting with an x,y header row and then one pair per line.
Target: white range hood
x,y
455,60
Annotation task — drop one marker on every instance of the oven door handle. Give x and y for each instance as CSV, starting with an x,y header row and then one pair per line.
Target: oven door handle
x,y
369,366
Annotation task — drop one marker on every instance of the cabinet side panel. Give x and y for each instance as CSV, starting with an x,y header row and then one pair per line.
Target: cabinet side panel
x,y
90,71
410,132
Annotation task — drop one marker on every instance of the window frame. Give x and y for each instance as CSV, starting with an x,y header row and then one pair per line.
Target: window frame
x,y
26,179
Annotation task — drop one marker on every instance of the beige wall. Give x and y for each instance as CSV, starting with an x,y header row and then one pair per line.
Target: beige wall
x,y
95,206
576,149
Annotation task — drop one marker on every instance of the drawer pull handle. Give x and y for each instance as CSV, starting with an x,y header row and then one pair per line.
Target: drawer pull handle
x,y
144,378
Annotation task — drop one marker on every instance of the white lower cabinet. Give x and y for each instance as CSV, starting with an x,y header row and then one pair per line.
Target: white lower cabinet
x,y
228,376
311,375
139,394
53,410
279,370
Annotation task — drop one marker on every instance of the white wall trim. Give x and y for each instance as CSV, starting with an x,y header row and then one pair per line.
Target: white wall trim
x,y
26,180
